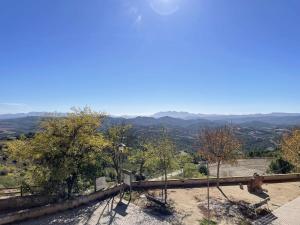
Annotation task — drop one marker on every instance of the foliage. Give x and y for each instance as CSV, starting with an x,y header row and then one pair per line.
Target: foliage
x,y
255,137
111,174
9,180
219,145
62,152
190,170
203,170
280,166
291,148
115,155
260,153
207,222
184,158
162,157
138,158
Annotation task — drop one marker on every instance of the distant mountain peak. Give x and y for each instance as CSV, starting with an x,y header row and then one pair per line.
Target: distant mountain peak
x,y
29,114
175,114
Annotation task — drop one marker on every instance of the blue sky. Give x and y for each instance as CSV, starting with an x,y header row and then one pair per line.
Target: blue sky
x,y
140,57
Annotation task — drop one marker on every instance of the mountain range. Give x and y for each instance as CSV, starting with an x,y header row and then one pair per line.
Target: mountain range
x,y
231,118
276,118
257,131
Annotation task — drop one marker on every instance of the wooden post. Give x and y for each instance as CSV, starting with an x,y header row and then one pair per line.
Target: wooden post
x,y
21,190
208,210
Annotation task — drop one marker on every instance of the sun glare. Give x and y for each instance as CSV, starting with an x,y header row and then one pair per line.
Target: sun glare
x,y
165,7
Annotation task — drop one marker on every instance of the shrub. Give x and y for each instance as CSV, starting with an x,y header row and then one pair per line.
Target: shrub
x,y
190,171
140,177
111,174
203,170
207,222
3,172
8,181
280,166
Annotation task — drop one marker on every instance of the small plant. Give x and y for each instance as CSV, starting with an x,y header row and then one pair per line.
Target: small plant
x,y
111,174
244,222
189,170
203,170
207,222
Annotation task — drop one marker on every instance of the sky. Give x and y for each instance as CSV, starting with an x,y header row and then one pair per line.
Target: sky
x,y
138,57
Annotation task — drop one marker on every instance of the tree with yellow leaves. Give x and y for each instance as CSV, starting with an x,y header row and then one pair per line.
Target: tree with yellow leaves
x,y
291,148
62,152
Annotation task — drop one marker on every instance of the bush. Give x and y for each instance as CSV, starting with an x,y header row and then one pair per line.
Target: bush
x,y
140,177
203,170
190,171
8,181
111,174
3,172
280,166
207,222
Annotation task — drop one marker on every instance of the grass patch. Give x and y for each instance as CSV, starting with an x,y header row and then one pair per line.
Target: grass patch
x,y
134,196
207,222
8,181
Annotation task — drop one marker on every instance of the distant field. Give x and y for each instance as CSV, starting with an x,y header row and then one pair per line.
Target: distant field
x,y
244,167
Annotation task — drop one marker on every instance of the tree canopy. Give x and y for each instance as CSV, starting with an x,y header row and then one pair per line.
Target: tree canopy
x,y
219,144
58,156
291,148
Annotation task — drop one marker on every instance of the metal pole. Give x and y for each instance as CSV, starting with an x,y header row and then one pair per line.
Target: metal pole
x,y
208,210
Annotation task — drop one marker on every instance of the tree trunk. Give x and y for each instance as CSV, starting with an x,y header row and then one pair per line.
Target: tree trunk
x,y
70,184
218,174
118,176
141,169
166,182
218,179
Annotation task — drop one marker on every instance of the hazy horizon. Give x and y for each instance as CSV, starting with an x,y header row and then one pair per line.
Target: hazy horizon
x,y
153,114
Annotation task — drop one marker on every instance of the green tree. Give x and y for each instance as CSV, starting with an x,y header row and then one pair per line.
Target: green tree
x,y
183,158
138,158
116,151
58,156
162,157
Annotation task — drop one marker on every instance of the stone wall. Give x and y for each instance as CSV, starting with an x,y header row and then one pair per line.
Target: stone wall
x,y
100,195
25,202
57,207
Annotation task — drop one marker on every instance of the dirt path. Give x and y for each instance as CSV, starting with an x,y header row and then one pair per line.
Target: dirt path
x,y
100,213
188,201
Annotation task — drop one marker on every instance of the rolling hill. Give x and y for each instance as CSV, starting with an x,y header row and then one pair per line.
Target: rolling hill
x,y
257,132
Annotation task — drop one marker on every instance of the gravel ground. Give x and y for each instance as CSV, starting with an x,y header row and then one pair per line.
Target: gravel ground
x,y
103,213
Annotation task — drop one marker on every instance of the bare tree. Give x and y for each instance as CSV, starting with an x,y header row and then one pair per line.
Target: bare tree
x,y
219,145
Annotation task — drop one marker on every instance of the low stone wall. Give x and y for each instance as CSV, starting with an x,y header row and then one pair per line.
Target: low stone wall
x,y
57,207
213,181
25,202
100,195
280,178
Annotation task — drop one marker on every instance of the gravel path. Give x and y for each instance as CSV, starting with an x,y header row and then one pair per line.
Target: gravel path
x,y
100,213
